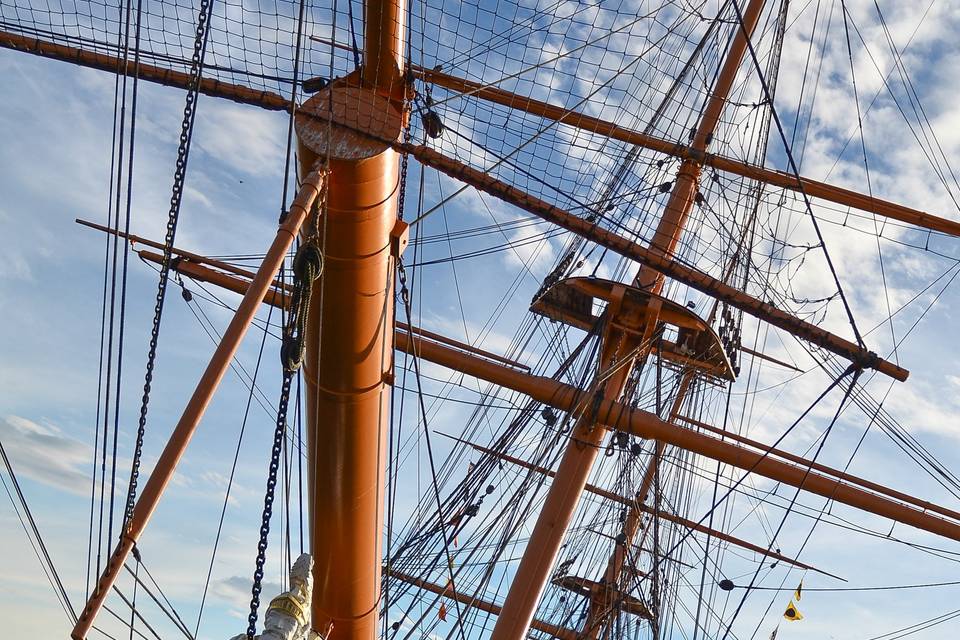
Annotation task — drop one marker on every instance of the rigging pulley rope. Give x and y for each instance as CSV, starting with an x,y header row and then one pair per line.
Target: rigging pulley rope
x,y
307,267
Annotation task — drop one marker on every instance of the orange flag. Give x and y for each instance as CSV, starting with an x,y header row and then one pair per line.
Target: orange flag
x,y
443,612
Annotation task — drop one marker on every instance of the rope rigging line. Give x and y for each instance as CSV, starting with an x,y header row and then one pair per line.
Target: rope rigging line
x,y
796,172
405,297
115,206
866,168
101,367
747,473
22,510
919,626
124,270
233,470
846,396
166,606
134,614
183,154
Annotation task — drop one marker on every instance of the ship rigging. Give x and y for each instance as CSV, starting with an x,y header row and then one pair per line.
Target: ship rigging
x,y
610,469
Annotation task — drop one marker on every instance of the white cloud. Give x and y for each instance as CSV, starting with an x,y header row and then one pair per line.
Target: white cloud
x,y
235,590
14,265
244,138
42,452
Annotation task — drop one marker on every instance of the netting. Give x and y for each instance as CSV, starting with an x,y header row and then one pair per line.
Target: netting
x,y
646,66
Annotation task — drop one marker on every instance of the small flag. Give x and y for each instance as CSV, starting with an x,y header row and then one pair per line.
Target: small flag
x,y
470,468
773,634
798,592
443,612
792,613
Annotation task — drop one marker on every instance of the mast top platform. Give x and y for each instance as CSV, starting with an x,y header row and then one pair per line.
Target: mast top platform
x,y
355,109
607,594
576,301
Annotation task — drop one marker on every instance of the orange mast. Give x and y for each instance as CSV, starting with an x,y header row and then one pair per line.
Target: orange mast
x,y
563,496
349,338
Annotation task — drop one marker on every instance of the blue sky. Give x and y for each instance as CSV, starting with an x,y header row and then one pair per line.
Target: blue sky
x,y
55,157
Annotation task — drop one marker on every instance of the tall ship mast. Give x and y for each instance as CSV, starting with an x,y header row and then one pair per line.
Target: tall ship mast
x,y
576,320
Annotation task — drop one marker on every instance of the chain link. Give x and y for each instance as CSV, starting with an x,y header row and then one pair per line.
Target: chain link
x,y
183,153
307,267
278,435
404,158
404,291
402,196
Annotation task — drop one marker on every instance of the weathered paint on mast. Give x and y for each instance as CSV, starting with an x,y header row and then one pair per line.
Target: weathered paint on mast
x,y
562,498
350,327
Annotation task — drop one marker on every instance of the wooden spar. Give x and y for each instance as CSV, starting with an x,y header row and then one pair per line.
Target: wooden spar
x,y
274,102
472,361
195,269
836,473
822,480
349,332
579,120
239,286
483,605
151,73
626,351
206,387
645,424
135,239
690,276
633,504
763,356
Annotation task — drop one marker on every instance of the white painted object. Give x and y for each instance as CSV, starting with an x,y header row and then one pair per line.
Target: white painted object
x,y
288,615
